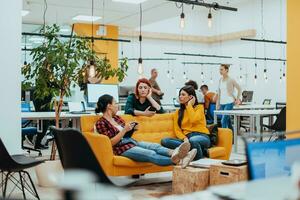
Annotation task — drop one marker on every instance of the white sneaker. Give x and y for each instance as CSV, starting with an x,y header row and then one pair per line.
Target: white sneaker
x,y
180,152
187,159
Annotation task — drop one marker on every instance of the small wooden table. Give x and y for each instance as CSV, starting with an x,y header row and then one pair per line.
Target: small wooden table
x,y
222,174
190,179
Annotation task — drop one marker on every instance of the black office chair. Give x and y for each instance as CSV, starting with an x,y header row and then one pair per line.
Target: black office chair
x,y
75,152
280,123
28,131
16,164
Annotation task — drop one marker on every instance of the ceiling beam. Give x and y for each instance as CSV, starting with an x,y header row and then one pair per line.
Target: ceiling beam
x,y
191,38
215,6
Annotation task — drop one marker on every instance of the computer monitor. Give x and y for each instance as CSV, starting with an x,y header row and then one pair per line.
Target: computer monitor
x,y
94,91
124,91
272,159
247,96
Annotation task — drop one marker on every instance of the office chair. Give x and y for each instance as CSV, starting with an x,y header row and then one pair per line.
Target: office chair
x,y
279,124
267,101
16,164
272,159
28,131
75,152
280,105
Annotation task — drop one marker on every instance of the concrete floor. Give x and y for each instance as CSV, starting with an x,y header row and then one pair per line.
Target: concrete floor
x,y
150,186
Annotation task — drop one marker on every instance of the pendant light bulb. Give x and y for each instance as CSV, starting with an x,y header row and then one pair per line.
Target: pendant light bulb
x,y
140,67
241,78
184,75
182,20
172,79
255,79
202,75
209,19
211,81
168,73
92,71
265,74
280,79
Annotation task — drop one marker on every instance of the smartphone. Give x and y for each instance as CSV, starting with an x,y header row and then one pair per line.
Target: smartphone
x,y
235,162
134,124
152,109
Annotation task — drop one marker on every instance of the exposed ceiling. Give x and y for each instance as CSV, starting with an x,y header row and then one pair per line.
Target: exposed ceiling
x,y
115,13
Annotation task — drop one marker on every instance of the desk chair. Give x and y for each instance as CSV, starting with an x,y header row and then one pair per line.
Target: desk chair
x,y
280,105
16,164
272,159
75,152
28,131
267,101
279,124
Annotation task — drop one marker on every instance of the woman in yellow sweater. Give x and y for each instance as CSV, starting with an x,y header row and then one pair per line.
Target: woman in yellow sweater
x,y
189,124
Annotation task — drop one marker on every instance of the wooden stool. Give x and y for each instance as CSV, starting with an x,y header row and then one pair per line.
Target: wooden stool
x,y
222,174
189,179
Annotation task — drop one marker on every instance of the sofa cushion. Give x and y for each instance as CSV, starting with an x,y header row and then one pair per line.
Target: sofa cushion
x,y
126,162
217,152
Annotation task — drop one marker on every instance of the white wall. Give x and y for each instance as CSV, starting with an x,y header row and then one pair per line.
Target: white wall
x,y
247,17
10,81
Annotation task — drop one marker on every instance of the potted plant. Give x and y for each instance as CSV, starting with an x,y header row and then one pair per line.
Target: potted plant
x,y
57,66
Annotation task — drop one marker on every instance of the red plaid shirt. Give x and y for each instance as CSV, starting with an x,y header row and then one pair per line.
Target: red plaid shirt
x,y
104,127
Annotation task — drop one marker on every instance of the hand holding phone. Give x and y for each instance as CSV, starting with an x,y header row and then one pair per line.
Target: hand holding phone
x,y
192,101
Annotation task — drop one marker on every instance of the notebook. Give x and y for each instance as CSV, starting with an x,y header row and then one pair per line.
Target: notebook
x,y
77,108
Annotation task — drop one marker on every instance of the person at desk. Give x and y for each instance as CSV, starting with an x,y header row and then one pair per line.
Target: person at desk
x,y
156,91
114,127
141,103
189,124
194,84
226,98
209,97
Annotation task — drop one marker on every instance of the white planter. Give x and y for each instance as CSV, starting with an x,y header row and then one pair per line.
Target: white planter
x,y
48,173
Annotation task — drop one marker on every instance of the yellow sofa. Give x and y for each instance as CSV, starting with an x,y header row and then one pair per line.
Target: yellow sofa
x,y
151,129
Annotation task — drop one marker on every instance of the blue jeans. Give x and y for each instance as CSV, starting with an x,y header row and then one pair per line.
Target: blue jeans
x,y
199,141
225,121
149,152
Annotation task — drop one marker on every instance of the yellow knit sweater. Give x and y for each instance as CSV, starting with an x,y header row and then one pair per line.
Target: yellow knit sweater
x,y
193,121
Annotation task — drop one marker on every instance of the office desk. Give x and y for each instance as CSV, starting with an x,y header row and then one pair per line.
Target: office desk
x,y
255,116
254,107
64,117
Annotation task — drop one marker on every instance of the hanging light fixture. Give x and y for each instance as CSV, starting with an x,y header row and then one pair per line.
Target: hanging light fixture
x,y
25,53
92,69
209,19
265,72
241,76
211,79
283,75
140,60
255,76
168,71
202,74
182,20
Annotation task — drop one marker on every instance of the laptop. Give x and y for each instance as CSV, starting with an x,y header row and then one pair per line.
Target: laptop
x,y
269,159
77,108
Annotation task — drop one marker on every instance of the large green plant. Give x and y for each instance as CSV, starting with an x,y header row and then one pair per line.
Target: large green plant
x,y
58,64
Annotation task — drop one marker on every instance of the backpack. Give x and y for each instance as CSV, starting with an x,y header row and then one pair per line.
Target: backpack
x,y
213,136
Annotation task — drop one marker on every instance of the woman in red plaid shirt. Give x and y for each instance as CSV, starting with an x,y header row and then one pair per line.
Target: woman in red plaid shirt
x,y
115,128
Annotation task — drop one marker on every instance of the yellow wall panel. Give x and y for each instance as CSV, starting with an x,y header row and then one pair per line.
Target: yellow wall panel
x,y
102,47
293,69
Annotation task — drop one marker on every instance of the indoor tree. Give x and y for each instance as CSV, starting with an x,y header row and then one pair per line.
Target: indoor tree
x,y
57,65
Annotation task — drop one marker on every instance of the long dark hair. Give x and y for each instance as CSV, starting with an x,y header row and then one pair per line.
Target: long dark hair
x,y
190,90
102,103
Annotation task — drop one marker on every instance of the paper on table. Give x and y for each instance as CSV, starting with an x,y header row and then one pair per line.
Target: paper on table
x,y
206,162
